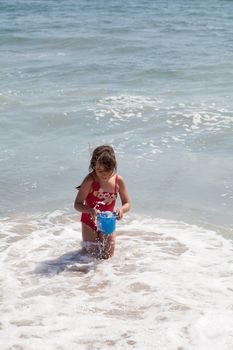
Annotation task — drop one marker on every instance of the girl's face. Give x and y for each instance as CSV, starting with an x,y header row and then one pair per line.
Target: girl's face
x,y
102,173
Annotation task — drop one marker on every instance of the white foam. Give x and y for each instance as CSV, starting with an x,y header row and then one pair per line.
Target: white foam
x,y
168,286
127,107
176,122
123,107
200,120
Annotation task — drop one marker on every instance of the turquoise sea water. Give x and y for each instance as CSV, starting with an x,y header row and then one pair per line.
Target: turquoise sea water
x,y
155,80
152,78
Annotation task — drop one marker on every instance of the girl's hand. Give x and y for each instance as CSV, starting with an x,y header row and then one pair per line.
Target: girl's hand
x,y
119,213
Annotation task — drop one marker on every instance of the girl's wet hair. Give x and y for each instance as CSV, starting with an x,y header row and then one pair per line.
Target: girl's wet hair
x,y
105,156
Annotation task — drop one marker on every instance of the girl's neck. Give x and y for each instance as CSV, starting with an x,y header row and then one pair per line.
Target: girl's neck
x,y
105,183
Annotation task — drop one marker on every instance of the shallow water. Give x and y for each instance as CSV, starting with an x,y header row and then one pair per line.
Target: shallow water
x,y
169,286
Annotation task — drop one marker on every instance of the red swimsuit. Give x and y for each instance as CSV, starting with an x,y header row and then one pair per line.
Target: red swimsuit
x,y
97,198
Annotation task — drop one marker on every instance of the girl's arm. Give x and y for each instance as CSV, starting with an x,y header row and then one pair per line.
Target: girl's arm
x,y
82,195
125,201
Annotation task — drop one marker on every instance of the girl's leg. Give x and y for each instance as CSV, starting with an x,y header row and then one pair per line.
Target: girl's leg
x,y
90,240
107,243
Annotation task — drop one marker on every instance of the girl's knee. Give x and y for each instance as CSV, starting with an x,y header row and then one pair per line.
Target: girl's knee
x,y
107,249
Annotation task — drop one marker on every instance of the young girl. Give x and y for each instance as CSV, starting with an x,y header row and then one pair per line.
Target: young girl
x,y
98,192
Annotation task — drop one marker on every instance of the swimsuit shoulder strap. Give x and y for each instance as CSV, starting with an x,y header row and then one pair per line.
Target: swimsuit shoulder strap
x,y
116,180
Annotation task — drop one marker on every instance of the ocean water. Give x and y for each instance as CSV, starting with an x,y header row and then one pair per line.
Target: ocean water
x,y
155,80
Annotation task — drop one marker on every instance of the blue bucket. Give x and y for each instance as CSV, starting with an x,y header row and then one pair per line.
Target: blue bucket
x,y
106,222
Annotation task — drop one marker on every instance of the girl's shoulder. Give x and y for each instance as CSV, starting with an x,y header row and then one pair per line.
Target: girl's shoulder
x,y
87,182
90,176
89,179
120,180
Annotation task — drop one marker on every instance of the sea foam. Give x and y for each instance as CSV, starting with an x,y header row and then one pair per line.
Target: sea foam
x,y
168,286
